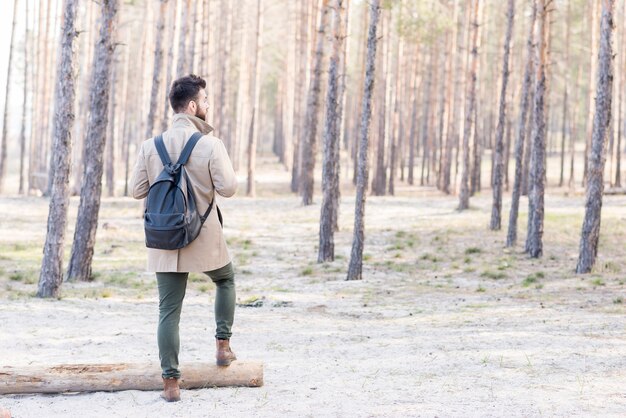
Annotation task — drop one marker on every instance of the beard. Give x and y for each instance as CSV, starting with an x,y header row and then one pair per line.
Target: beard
x,y
200,114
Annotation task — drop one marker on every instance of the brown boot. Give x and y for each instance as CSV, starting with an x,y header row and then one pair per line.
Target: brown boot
x,y
171,390
224,354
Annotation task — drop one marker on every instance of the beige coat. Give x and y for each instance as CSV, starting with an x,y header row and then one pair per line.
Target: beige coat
x,y
210,170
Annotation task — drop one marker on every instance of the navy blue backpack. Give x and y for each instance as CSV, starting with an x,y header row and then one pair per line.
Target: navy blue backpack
x,y
171,218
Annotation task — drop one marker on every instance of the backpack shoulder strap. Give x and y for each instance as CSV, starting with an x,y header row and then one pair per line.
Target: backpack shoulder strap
x,y
160,146
184,156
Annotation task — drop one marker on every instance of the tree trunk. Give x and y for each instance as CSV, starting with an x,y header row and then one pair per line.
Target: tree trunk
x,y
534,241
413,128
452,137
87,219
46,168
191,58
602,118
355,267
224,121
253,133
619,119
182,64
301,41
51,275
3,148
110,142
331,135
595,26
124,376
380,108
156,72
470,105
426,114
574,130
170,65
309,140
496,208
21,189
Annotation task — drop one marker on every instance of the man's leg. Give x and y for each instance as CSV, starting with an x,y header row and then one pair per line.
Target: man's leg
x,y
171,293
224,279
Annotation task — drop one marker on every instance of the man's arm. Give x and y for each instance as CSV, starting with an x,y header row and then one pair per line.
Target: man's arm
x,y
221,170
139,182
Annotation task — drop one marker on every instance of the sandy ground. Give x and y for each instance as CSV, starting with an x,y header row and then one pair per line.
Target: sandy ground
x,y
445,323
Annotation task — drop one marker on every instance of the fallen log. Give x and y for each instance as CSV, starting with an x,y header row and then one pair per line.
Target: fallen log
x,y
115,377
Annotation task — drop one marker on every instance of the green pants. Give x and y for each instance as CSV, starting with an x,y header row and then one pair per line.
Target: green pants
x,y
172,288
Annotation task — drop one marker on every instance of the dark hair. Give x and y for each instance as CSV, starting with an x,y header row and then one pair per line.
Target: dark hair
x,y
184,90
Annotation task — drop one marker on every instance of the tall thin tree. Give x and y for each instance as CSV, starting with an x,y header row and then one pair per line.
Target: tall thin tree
x,y
601,121
332,125
309,139
470,106
51,274
534,239
91,190
255,90
3,147
25,102
156,71
511,236
355,267
499,162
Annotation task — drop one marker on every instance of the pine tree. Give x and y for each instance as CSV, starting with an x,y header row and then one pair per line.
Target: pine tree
x,y
51,274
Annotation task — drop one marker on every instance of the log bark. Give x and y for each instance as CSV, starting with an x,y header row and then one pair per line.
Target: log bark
x,y
590,235
496,208
355,267
121,376
51,276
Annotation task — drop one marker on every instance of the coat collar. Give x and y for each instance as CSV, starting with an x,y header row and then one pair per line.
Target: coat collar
x,y
186,120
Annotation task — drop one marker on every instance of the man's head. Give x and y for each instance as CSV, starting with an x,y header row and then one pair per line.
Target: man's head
x,y
187,95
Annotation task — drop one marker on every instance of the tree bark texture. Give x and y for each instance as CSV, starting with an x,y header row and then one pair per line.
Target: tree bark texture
x,y
534,241
22,183
87,219
255,89
169,72
469,113
51,274
601,121
5,123
182,64
496,208
331,136
511,237
355,267
156,71
309,139
124,376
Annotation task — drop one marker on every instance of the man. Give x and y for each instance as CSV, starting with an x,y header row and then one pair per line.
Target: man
x,y
210,171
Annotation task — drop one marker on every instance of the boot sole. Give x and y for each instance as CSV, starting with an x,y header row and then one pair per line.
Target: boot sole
x,y
223,363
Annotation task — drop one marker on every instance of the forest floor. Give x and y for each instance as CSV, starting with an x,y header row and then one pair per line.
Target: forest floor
x,y
446,321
